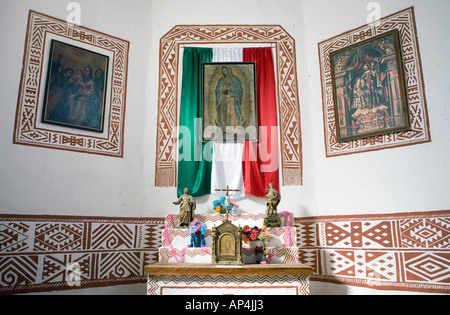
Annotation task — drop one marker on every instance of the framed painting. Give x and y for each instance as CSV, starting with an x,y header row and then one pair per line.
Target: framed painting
x,y
229,102
75,92
369,88
103,130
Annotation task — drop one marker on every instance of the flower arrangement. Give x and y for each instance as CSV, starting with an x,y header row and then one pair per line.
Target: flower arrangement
x,y
219,205
256,234
263,253
197,231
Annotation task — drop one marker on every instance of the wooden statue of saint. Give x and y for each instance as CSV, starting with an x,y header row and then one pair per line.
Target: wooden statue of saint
x,y
187,208
273,200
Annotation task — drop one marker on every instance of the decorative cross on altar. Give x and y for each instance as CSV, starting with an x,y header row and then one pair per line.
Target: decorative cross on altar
x,y
227,196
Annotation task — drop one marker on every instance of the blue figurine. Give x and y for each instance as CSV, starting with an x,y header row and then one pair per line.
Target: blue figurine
x,y
197,230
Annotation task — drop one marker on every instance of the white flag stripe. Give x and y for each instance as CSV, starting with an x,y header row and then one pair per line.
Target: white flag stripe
x,y
227,157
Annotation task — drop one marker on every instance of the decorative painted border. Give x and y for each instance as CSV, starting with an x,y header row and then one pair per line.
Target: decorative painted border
x,y
287,88
36,252
26,131
404,21
406,251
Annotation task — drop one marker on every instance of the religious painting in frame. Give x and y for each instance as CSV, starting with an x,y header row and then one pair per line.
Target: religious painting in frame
x,y
369,88
75,92
229,102
37,123
419,131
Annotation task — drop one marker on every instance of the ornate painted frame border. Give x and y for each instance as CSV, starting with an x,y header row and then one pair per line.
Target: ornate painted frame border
x,y
26,131
404,21
287,89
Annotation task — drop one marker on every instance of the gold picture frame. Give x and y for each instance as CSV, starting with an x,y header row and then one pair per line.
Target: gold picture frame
x,y
227,244
369,89
75,92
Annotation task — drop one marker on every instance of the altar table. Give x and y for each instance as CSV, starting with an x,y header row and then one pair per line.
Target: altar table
x,y
209,279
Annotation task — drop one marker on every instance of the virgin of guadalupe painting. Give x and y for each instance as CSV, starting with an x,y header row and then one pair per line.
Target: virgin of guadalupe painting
x,y
229,102
75,92
369,88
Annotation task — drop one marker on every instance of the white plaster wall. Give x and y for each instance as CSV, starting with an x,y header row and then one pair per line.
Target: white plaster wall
x,y
407,179
414,178
43,181
234,12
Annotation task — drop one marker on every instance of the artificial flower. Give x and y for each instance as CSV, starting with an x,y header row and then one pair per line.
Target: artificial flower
x,y
219,205
253,234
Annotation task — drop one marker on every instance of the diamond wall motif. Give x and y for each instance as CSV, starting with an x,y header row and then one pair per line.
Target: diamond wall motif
x,y
37,252
409,252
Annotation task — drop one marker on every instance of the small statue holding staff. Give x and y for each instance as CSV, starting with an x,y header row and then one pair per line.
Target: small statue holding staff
x,y
273,200
187,208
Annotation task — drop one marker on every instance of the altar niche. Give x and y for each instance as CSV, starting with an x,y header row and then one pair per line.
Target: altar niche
x,y
227,244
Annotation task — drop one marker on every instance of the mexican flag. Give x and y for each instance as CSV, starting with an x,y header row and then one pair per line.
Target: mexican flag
x,y
249,167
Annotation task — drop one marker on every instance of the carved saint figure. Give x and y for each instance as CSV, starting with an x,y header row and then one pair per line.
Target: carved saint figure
x,y
187,208
273,200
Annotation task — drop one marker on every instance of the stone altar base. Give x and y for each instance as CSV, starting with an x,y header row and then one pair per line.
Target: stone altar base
x,y
188,279
228,285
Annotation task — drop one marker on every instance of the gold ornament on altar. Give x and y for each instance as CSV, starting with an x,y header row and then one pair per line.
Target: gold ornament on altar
x,y
227,239
227,244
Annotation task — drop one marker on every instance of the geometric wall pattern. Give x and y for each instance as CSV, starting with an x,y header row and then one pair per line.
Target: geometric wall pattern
x,y
404,22
405,251
408,252
286,85
38,253
27,131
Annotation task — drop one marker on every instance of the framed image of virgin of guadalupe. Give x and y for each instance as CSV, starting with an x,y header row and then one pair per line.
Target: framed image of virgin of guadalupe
x,y
369,88
75,92
229,102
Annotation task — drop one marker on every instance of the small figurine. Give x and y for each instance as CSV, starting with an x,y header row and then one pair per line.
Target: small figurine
x,y
197,230
187,208
273,200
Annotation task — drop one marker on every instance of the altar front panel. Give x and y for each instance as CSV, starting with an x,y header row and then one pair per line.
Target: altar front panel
x,y
228,285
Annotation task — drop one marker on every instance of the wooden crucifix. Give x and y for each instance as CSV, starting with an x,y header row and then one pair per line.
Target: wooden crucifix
x,y
227,197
